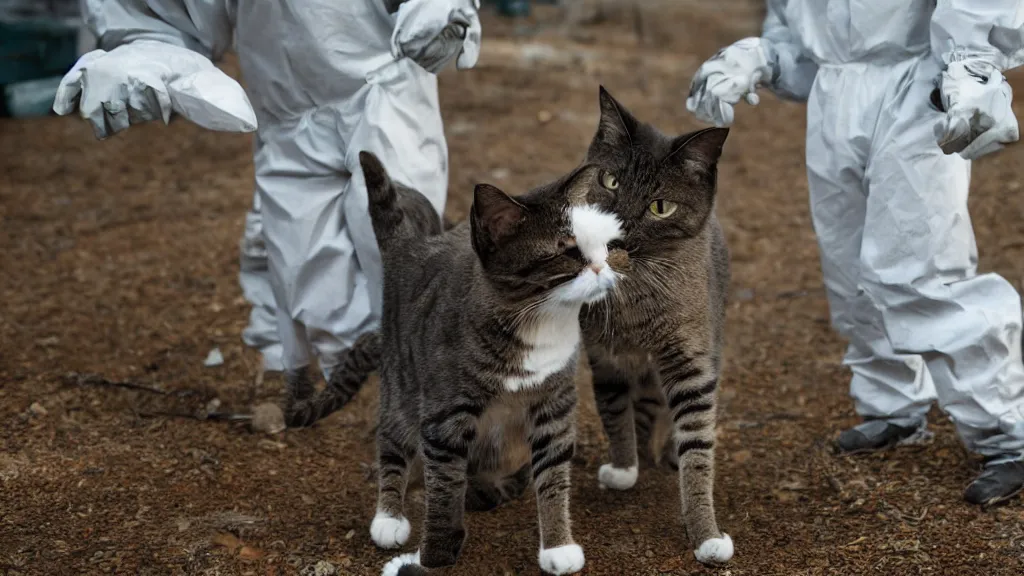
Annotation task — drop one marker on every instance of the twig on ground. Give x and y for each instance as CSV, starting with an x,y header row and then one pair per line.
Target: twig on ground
x,y
215,416
229,416
100,381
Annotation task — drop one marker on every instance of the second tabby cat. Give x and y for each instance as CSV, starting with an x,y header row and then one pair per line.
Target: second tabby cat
x,y
655,346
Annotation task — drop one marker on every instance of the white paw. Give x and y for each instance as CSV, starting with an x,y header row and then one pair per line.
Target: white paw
x,y
616,478
562,559
715,550
388,532
396,563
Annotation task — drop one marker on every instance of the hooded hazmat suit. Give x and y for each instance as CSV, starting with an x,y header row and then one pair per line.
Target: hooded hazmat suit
x,y
325,79
889,206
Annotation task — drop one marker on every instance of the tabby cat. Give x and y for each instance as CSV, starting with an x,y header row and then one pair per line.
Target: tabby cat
x,y
655,346
480,339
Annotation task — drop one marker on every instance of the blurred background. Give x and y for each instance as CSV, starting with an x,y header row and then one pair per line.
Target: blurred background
x,y
118,277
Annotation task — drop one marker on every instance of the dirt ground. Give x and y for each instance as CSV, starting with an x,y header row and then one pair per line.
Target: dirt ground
x,y
120,261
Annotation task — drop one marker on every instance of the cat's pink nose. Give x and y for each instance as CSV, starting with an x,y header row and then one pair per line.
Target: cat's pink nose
x,y
597,268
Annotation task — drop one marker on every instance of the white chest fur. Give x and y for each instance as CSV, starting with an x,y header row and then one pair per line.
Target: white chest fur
x,y
552,341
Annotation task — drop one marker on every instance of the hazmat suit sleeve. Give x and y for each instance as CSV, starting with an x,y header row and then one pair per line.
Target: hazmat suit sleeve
x,y
976,42
776,59
988,31
155,58
793,70
203,26
434,32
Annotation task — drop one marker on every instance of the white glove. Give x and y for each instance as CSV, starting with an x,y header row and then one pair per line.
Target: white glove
x,y
731,74
433,32
979,116
146,80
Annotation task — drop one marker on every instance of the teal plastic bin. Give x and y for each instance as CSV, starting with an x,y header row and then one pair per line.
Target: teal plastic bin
x,y
36,49
31,97
32,54
512,8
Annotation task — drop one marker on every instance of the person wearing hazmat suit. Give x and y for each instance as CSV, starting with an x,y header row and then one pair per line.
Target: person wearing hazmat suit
x,y
325,80
901,95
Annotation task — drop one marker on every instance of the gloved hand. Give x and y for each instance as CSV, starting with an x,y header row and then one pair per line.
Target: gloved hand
x,y
433,32
731,74
979,117
146,80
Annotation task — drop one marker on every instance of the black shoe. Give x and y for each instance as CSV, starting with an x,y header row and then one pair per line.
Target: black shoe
x,y
997,483
874,435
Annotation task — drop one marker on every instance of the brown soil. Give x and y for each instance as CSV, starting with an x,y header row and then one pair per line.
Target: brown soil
x,y
120,259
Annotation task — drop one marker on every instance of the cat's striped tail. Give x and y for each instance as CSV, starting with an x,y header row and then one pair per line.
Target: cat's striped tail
x,y
385,214
305,406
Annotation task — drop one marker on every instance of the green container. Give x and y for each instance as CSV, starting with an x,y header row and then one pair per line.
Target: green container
x,y
34,49
31,97
514,8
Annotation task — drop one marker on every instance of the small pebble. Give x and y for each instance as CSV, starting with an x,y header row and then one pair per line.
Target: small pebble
x,y
268,418
37,410
544,116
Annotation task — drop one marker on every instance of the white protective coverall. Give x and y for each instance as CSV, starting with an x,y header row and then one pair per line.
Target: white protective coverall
x,y
326,79
889,206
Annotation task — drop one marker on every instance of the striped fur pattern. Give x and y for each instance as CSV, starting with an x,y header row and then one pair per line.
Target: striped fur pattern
x,y
480,340
304,404
655,346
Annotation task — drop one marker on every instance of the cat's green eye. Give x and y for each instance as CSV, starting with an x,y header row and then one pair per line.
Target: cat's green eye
x,y
662,208
609,181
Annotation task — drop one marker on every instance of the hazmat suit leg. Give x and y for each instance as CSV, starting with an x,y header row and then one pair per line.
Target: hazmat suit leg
x,y
320,291
254,277
885,384
918,264
324,263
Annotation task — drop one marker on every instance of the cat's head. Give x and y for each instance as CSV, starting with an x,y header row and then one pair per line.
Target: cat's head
x,y
396,210
665,187
551,244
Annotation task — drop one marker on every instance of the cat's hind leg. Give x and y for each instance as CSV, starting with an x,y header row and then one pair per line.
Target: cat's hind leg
x,y
615,407
653,423
499,466
486,492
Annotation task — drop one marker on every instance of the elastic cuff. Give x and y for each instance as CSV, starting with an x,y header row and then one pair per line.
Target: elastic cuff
x,y
1003,459
771,55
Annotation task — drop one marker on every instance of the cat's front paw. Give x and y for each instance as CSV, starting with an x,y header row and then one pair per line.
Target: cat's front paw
x,y
389,532
404,565
616,478
715,550
562,559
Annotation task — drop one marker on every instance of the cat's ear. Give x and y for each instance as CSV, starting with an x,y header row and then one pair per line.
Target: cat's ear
x,y
696,156
617,125
494,217
378,183
703,148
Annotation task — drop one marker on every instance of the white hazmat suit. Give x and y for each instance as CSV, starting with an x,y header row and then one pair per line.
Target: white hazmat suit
x,y
889,206
326,79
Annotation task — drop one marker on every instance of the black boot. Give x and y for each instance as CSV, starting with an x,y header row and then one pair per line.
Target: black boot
x,y
877,434
997,483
